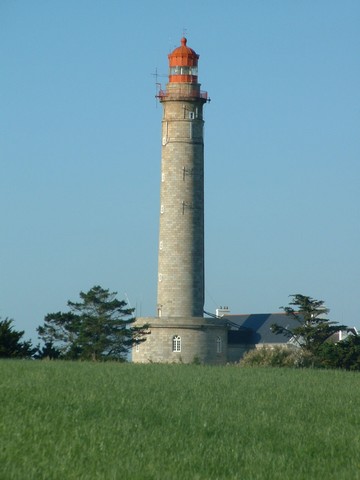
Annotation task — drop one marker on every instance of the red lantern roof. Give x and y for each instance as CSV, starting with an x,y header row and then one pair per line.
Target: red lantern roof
x,y
183,56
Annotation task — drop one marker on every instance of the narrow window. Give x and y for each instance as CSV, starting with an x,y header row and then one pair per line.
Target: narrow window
x,y
176,343
161,245
160,277
163,177
218,345
137,347
162,209
191,115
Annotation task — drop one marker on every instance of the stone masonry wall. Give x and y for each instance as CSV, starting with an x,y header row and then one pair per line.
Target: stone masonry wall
x,y
181,236
199,341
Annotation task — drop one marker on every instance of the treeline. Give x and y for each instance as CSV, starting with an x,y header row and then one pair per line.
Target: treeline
x,y
99,327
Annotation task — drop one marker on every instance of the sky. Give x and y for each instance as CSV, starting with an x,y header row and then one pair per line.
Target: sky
x,y
80,151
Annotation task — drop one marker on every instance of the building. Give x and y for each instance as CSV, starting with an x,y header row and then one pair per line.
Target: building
x,y
179,332
247,332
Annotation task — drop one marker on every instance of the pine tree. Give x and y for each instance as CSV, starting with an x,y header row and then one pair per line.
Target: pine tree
x,y
314,328
10,344
98,327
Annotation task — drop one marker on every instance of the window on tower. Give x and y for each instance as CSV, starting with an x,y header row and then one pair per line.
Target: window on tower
x,y
176,343
218,345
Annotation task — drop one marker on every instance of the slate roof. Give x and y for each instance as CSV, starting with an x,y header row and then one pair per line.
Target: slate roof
x,y
255,328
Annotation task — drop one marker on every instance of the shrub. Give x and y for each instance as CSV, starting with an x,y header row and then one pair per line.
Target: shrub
x,y
344,354
278,356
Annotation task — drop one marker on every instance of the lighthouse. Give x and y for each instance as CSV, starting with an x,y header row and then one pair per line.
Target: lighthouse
x,y
181,237
179,332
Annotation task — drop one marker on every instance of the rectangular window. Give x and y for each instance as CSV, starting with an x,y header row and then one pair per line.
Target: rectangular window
x,y
176,344
218,345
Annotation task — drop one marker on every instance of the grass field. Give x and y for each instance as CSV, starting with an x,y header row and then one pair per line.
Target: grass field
x,y
63,420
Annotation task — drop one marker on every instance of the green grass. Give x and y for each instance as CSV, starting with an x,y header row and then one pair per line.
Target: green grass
x,y
63,420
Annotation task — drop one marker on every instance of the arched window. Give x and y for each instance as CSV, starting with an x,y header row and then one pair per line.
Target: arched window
x,y
176,343
218,345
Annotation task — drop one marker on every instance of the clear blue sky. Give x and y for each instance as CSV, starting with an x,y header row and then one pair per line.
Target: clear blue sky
x,y
80,151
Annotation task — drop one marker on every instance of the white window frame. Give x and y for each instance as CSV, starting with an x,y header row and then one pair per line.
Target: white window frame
x,y
176,343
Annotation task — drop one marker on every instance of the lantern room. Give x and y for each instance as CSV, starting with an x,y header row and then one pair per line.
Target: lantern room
x,y
183,64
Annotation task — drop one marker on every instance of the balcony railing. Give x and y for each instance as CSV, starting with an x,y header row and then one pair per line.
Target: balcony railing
x,y
162,94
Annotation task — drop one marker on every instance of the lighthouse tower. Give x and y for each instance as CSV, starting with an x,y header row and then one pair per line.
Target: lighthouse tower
x,y
179,332
181,239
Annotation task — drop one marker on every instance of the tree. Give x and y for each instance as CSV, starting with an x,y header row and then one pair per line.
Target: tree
x,y
344,354
10,344
98,327
313,328
48,351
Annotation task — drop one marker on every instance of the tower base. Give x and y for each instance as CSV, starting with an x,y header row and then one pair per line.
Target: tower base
x,y
182,340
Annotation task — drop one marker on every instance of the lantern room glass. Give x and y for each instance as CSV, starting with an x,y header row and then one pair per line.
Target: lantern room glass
x,y
184,70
